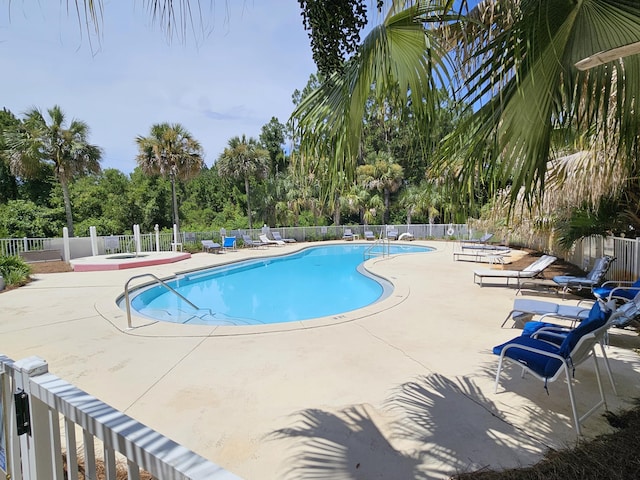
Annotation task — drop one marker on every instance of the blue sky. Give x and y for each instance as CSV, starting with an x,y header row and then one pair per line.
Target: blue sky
x,y
230,81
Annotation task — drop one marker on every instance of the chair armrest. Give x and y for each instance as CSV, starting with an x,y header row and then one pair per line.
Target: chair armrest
x,y
617,282
623,289
532,350
580,302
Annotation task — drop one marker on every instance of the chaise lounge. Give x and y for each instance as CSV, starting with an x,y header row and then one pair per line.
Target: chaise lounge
x,y
593,279
210,246
267,241
532,271
278,237
250,242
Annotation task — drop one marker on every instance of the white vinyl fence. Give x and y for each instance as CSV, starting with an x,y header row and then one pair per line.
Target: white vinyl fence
x,y
42,418
163,241
625,250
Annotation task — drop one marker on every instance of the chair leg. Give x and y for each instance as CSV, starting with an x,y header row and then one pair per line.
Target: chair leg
x,y
507,319
597,368
495,388
572,399
608,368
603,400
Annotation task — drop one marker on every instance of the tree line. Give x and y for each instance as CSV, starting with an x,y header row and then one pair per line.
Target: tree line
x,y
444,110
51,177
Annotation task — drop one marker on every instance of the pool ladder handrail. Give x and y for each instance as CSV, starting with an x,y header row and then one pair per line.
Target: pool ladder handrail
x,y
385,242
159,281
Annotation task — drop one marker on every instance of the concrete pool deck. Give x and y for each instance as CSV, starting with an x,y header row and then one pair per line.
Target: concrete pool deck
x,y
402,389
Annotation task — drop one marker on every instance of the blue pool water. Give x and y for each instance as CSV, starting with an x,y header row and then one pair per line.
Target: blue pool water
x,y
315,282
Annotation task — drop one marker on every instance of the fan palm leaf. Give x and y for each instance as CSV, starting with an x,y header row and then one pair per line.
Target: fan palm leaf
x,y
400,61
526,88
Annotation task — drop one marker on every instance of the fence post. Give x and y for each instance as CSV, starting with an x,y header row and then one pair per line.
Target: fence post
x,y
66,250
157,230
94,240
136,238
43,441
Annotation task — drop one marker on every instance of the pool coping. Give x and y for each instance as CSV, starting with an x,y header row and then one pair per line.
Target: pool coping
x,y
143,326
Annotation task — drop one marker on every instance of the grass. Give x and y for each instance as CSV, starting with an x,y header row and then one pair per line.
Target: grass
x,y
613,456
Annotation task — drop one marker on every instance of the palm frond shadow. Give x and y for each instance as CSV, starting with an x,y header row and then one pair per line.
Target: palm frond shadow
x,y
440,427
344,445
455,425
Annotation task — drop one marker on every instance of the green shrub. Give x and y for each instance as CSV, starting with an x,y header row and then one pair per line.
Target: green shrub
x,y
14,270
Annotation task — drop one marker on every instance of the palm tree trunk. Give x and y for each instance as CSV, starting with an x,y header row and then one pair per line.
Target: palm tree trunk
x,y
174,199
246,189
336,209
387,199
67,205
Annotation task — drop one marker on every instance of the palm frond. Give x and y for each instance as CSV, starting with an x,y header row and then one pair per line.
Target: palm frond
x,y
527,86
397,61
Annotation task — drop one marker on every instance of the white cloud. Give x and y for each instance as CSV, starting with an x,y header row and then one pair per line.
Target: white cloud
x,y
230,82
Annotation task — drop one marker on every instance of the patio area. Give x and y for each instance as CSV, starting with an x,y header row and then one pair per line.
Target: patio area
x,y
400,389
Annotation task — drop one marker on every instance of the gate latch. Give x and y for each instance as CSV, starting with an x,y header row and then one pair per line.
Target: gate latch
x,y
23,418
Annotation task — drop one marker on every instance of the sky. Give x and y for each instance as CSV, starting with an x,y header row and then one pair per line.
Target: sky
x,y
228,78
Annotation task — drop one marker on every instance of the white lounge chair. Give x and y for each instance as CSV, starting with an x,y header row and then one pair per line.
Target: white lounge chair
x,y
267,241
368,235
531,271
525,308
250,242
348,234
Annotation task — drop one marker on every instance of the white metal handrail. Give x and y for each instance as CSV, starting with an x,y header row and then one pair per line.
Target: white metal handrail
x,y
159,281
384,243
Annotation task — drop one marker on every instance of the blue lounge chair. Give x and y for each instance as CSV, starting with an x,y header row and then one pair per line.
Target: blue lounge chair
x,y
348,234
392,234
617,289
210,246
368,235
547,360
592,280
229,243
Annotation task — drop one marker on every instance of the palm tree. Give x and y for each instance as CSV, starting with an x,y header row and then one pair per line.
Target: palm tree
x,y
420,200
520,68
402,59
66,150
383,174
170,150
244,159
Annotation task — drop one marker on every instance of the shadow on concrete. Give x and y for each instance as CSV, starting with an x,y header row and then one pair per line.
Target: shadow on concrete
x,y
430,427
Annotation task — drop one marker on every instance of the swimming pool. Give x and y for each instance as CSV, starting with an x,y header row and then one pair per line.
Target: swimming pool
x,y
314,282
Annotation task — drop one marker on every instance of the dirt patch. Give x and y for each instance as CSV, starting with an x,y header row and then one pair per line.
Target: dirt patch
x,y
50,267
559,267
